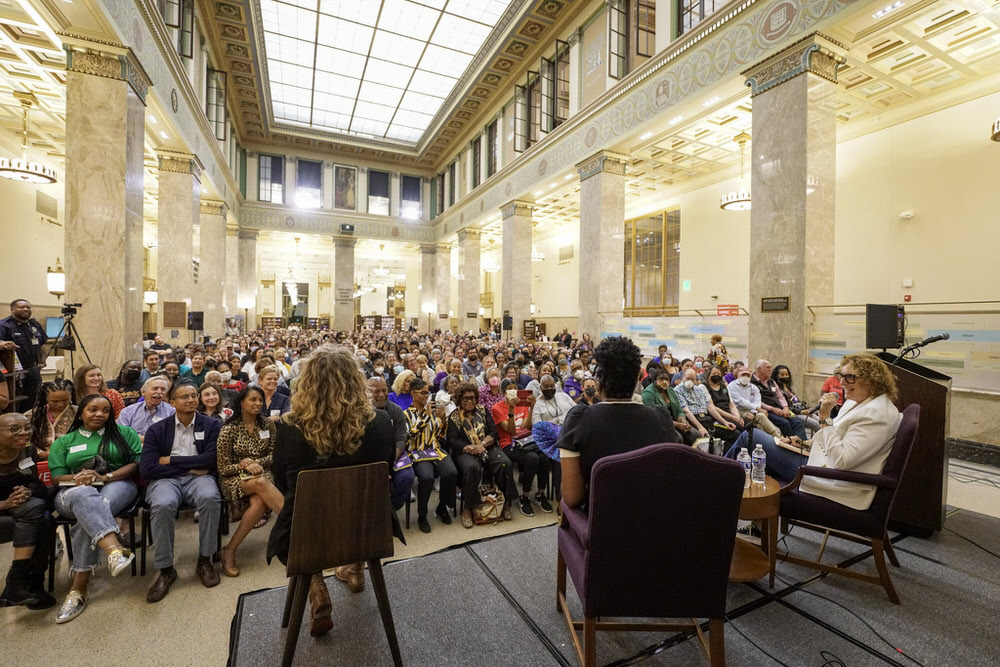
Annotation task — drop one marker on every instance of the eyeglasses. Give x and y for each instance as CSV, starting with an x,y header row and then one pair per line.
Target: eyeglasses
x,y
468,397
847,378
14,430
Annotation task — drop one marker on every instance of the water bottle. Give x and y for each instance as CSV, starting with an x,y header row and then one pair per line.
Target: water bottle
x,y
759,463
744,460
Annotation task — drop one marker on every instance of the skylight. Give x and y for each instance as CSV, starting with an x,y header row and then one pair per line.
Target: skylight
x,y
374,69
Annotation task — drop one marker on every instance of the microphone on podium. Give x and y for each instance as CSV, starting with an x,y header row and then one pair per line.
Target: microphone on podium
x,y
914,346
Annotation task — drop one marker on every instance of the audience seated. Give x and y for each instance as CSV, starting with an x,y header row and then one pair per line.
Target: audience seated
x,y
140,416
701,412
276,403
513,418
746,396
89,380
489,393
783,376
659,394
424,444
591,393
402,474
151,365
128,384
773,401
51,417
179,460
400,394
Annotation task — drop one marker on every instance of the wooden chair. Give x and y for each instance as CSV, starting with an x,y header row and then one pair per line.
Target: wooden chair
x,y
868,527
147,529
341,516
657,543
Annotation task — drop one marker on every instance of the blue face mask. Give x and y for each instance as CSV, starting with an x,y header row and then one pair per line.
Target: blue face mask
x,y
397,369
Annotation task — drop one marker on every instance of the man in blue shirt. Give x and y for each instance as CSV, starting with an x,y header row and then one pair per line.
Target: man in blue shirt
x,y
151,409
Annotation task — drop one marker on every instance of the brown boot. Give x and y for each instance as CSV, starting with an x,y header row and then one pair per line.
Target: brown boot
x,y
353,575
320,607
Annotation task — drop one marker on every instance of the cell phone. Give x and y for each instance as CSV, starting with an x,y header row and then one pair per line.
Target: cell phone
x,y
523,395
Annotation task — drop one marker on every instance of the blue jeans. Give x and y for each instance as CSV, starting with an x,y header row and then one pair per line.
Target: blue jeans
x,y
402,483
788,426
94,508
164,497
782,464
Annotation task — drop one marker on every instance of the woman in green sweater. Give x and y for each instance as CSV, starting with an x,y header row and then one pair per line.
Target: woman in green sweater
x,y
94,463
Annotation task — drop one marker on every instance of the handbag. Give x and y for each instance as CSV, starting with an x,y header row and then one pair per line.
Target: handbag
x,y
490,510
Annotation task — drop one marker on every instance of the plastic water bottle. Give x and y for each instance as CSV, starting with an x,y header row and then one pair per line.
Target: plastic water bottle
x,y
744,460
759,463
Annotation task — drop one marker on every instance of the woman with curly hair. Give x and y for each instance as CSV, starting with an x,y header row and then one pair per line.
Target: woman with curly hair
x,y
332,424
859,439
613,426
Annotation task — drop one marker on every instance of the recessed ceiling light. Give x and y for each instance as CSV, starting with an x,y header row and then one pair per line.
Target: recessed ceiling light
x,y
552,185
888,8
538,192
152,120
676,119
711,101
164,134
568,176
645,136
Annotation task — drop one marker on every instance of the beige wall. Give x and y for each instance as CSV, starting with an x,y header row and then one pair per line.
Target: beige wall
x,y
32,242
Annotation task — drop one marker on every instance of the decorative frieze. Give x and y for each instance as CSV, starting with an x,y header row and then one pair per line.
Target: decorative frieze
x,y
516,207
468,235
180,163
815,53
247,235
211,207
106,59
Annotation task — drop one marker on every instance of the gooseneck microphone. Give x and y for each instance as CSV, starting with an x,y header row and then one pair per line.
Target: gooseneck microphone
x,y
914,346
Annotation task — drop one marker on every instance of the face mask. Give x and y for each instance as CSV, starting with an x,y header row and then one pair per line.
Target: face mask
x,y
494,382
716,378
511,394
590,391
784,380
397,369
744,380
689,384
131,375
548,393
379,369
227,376
578,375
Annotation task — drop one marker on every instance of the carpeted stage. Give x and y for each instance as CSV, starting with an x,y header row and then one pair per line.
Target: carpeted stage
x,y
493,603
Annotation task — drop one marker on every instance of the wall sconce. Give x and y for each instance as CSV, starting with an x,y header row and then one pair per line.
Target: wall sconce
x,y
55,279
150,297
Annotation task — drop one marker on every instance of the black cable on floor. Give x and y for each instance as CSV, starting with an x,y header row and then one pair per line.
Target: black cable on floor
x,y
535,628
973,542
755,644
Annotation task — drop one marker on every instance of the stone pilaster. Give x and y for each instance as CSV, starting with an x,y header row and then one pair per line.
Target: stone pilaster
x,y
177,213
213,274
246,294
327,184
516,265
602,228
105,116
343,284
442,275
428,287
469,254
230,299
793,172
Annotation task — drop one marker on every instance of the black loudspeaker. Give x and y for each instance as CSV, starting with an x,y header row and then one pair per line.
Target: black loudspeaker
x,y
196,320
508,323
885,326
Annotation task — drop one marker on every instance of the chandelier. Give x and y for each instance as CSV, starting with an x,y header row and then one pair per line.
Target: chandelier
x,y
738,200
22,169
380,271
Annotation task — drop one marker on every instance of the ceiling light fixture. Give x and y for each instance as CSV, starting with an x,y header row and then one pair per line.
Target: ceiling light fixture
x,y
22,169
888,8
647,135
739,200
995,135
381,271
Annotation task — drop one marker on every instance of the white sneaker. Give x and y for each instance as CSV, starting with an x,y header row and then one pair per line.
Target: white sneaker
x,y
118,560
71,607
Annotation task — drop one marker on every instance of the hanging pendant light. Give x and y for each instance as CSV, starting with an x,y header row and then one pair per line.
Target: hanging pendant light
x,y
739,200
22,169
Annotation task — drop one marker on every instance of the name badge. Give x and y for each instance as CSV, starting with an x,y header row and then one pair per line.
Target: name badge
x,y
34,341
275,413
77,448
265,435
156,419
199,435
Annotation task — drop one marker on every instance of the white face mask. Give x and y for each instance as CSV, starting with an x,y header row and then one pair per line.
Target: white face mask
x,y
379,369
511,394
689,384
227,376
744,380
578,375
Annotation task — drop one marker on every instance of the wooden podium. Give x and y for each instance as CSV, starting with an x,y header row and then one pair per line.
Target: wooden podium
x,y
923,490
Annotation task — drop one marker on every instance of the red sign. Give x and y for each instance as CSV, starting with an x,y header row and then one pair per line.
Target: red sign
x,y
731,310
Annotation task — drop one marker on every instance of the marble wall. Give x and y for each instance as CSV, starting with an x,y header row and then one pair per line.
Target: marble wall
x,y
213,274
469,254
246,293
103,238
442,289
602,230
428,286
230,300
343,284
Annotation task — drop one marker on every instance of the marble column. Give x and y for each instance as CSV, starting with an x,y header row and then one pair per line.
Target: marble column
x,y
230,300
212,273
428,287
246,292
177,213
105,116
469,253
793,172
602,228
361,192
253,176
327,184
516,282
442,288
291,172
343,284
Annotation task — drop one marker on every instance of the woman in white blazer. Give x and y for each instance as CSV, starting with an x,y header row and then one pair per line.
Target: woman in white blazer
x,y
859,439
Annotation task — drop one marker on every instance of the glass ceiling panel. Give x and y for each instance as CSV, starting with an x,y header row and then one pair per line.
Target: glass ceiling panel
x,y
375,68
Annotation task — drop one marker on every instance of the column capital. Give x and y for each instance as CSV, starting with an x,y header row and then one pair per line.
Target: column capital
x,y
517,207
212,207
428,249
251,154
342,242
108,59
602,162
180,163
327,164
247,234
468,234
815,53
291,159
232,230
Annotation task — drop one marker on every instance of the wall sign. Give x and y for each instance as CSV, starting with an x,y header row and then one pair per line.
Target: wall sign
x,y
729,310
774,304
174,314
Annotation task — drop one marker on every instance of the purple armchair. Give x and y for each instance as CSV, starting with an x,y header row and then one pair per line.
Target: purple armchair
x,y
658,542
866,527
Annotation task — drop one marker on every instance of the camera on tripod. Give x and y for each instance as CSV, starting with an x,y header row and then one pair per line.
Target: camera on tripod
x,y
69,309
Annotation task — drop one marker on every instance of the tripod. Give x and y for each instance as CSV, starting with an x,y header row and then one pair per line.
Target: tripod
x,y
66,340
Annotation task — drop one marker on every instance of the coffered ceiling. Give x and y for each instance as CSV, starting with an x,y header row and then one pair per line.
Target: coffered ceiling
x,y
239,31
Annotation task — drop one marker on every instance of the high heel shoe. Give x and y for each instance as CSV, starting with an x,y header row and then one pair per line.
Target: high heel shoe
x,y
227,559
